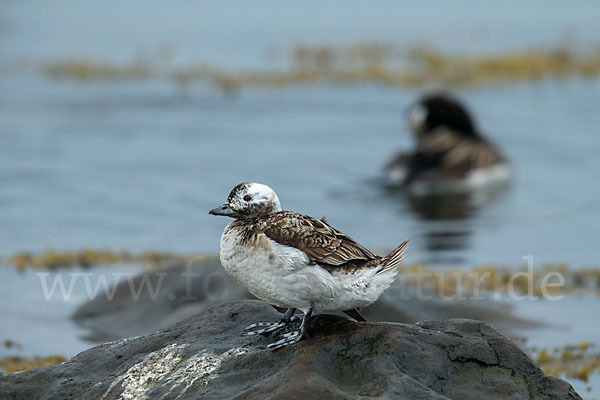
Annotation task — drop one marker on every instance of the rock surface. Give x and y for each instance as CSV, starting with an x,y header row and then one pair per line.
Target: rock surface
x,y
179,291
185,291
207,356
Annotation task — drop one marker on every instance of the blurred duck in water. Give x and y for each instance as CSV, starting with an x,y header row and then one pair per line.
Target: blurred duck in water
x,y
450,156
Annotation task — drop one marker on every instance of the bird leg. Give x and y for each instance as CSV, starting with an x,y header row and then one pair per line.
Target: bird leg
x,y
265,328
293,337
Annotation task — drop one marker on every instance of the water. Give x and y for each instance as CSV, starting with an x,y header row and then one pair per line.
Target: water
x,y
137,165
37,317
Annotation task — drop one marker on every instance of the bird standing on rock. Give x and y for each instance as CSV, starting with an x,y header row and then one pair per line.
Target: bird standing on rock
x,y
298,262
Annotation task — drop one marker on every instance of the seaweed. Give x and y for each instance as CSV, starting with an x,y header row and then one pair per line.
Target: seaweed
x,y
374,63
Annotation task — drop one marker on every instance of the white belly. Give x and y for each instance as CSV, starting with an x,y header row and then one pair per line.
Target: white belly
x,y
283,276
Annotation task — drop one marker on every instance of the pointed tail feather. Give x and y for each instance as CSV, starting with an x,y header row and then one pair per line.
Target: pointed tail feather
x,y
393,259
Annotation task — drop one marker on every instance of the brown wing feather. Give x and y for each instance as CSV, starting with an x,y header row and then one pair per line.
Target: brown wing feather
x,y
471,155
458,155
321,243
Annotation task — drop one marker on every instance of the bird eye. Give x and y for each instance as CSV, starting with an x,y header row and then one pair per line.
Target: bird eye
x,y
247,198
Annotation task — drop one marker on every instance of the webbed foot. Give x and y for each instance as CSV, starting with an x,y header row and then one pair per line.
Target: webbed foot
x,y
266,328
288,339
293,337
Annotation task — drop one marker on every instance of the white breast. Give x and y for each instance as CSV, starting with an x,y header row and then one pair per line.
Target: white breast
x,y
270,271
396,175
283,276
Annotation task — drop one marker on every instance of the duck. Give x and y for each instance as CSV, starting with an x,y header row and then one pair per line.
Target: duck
x,y
451,154
297,262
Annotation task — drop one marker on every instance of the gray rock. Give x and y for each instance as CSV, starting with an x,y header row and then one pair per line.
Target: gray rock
x,y
207,356
186,290
178,292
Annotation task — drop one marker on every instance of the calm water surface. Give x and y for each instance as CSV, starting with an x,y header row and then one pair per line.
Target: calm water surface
x,y
137,165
